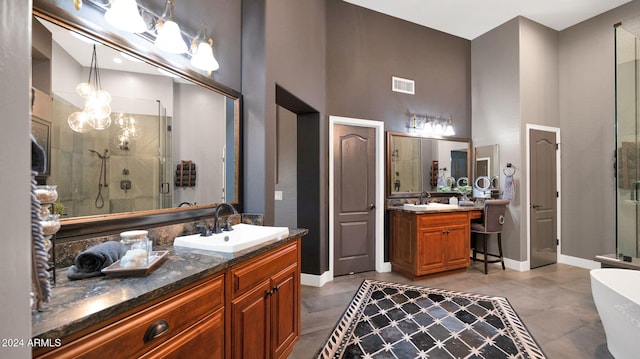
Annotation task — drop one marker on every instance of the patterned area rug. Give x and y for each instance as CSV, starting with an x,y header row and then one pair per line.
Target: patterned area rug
x,y
390,320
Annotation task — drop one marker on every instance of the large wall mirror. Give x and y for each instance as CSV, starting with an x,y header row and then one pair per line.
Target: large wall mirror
x,y
161,124
417,164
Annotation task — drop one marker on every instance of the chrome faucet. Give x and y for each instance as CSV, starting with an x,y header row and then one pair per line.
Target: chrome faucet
x,y
216,226
423,195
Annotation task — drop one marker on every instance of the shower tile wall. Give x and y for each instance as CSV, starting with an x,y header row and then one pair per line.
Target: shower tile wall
x,y
76,170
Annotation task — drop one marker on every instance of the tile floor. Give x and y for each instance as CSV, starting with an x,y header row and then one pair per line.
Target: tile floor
x,y
554,302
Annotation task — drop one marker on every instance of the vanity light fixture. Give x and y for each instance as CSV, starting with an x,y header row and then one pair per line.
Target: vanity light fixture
x,y
97,110
162,30
169,35
429,125
202,51
124,15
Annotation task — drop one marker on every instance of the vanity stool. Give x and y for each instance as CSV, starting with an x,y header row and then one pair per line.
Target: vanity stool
x,y
492,221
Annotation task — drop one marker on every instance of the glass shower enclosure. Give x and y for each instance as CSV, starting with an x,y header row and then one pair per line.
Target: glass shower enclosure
x,y
627,68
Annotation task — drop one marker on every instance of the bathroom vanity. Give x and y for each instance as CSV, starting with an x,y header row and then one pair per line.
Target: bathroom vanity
x,y
196,304
430,241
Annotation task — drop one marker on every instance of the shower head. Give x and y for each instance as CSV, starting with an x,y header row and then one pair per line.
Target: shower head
x,y
106,151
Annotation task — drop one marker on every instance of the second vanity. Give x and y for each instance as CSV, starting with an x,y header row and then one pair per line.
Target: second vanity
x,y
196,304
431,240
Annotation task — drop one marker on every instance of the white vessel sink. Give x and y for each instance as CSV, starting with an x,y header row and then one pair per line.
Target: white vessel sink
x,y
425,207
241,237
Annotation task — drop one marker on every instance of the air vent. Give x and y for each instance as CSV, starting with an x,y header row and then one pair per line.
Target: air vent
x,y
403,85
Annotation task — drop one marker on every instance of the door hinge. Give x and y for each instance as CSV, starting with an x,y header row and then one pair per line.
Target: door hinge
x,y
557,146
557,194
557,241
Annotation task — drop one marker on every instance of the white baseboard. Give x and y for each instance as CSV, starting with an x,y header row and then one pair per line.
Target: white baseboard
x,y
578,262
384,268
314,280
516,265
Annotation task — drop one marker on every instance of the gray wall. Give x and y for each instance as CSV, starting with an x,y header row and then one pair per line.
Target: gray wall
x,y
496,111
515,83
366,48
284,45
587,121
286,210
15,257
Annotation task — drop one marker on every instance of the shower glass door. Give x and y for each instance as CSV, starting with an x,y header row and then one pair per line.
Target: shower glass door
x,y
627,138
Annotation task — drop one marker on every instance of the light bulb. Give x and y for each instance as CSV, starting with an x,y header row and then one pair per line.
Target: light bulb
x,y
124,15
438,130
448,131
79,122
85,89
100,123
170,38
203,58
98,112
103,96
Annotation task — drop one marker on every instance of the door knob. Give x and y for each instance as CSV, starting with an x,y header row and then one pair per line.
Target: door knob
x,y
535,206
372,207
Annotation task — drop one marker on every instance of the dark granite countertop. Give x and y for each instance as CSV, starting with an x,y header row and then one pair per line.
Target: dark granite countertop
x,y
76,305
436,209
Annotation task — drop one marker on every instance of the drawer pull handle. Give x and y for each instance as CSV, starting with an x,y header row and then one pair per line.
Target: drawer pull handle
x,y
155,330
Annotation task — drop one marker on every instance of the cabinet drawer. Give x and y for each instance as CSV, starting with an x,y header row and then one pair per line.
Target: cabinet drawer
x,y
246,275
126,338
428,220
203,340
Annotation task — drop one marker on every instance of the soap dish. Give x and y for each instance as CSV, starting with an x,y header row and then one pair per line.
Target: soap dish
x,y
115,270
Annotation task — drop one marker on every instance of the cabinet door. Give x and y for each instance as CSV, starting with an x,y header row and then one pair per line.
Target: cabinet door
x,y
431,249
250,315
284,311
457,249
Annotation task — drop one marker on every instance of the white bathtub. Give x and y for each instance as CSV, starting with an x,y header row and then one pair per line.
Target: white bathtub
x,y
616,293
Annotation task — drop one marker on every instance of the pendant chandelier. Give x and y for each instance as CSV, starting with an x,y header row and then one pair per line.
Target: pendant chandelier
x,y
96,114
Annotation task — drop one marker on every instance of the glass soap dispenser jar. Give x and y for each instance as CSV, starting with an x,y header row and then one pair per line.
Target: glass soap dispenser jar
x,y
138,249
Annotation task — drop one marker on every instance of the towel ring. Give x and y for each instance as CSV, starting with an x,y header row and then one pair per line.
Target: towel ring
x,y
509,171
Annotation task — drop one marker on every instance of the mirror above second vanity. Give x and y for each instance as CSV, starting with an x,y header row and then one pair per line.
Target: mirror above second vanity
x,y
417,164
486,170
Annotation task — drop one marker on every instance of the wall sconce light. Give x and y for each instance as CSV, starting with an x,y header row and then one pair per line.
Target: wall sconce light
x,y
97,110
202,51
429,125
169,35
124,15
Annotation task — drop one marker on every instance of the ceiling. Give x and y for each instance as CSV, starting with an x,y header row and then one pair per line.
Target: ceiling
x,y
471,18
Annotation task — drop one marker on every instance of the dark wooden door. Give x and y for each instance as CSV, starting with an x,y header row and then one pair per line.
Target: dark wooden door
x,y
543,193
354,199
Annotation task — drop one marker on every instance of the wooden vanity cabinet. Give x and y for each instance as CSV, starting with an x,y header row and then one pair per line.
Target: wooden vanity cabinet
x,y
183,324
425,244
252,310
264,306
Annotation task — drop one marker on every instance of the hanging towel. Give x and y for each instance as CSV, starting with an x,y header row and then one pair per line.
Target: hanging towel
x,y
509,188
91,262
